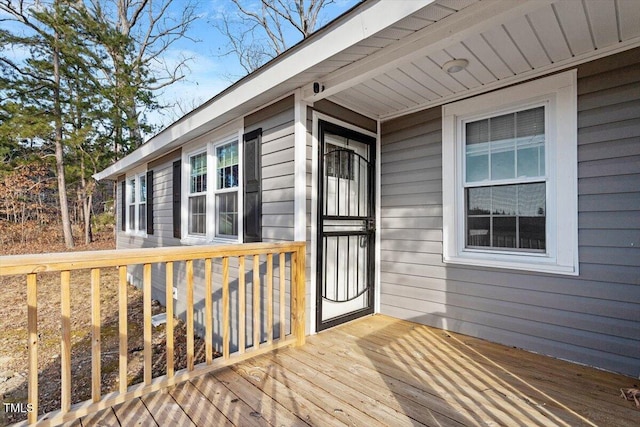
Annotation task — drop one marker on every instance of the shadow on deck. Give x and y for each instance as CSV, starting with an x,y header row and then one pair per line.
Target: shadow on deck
x,y
380,371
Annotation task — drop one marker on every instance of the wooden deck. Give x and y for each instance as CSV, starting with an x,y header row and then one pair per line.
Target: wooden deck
x,y
380,371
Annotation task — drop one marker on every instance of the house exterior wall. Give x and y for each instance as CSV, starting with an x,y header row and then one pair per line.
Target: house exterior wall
x,y
593,318
277,169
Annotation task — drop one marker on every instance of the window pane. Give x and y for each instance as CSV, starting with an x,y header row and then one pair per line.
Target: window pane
x,y
533,232
143,188
531,123
506,146
504,201
198,179
504,232
530,140
532,199
142,217
477,151
507,216
479,201
132,191
227,205
502,135
532,215
227,174
132,217
478,231
197,215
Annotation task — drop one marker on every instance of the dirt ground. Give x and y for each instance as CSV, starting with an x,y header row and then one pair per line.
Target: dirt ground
x,y
13,335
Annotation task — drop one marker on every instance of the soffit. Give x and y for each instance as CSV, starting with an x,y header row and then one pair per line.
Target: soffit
x,y
533,37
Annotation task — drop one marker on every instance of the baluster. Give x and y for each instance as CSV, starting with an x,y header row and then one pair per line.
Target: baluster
x,y
225,307
208,312
190,342
65,345
269,299
122,327
95,335
282,266
146,311
242,305
256,302
169,329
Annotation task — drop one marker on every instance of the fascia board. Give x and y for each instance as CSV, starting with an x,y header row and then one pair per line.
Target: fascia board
x,y
351,29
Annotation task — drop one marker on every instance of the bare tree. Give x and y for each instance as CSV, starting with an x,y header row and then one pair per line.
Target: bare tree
x,y
258,33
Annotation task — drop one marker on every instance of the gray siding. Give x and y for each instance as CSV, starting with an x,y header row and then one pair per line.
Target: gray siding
x,y
278,169
593,318
276,122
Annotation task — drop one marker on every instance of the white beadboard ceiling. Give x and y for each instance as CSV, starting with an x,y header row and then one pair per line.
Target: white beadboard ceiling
x,y
532,37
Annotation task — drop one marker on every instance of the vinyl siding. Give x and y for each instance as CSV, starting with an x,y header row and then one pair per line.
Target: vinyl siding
x,y
278,155
276,122
593,318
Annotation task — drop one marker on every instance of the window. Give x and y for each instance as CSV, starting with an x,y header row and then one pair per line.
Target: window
x,y
339,162
213,192
198,194
226,191
505,181
137,203
510,168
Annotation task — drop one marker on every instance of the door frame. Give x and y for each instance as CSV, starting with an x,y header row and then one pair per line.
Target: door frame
x,y
313,304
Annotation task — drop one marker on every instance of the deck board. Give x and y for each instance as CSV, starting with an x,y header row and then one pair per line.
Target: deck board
x,y
381,371
165,410
134,413
235,409
104,418
270,409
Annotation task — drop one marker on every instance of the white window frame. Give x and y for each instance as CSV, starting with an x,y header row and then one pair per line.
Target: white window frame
x,y
189,194
558,93
212,212
135,176
216,191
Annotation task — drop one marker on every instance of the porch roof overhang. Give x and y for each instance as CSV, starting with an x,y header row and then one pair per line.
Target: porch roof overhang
x,y
385,59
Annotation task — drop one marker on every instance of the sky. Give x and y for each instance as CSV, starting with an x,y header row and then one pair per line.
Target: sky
x,y
210,72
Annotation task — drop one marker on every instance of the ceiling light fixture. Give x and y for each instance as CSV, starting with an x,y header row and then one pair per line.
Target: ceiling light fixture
x,y
455,65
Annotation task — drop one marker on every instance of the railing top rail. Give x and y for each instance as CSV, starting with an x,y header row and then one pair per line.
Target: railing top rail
x,y
63,261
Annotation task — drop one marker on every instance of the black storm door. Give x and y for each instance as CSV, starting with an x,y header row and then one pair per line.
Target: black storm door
x,y
346,225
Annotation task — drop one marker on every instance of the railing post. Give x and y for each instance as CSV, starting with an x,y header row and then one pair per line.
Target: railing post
x,y
298,266
32,322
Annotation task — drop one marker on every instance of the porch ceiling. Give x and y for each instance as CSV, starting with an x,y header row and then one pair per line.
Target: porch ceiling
x,y
399,70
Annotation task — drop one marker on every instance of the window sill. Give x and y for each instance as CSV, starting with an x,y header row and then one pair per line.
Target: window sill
x,y
195,240
538,265
136,234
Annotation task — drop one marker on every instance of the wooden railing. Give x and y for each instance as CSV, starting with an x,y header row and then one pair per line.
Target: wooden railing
x,y
32,265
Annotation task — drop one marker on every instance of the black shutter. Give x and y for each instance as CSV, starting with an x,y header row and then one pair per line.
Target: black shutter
x,y
252,186
177,199
123,207
150,202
